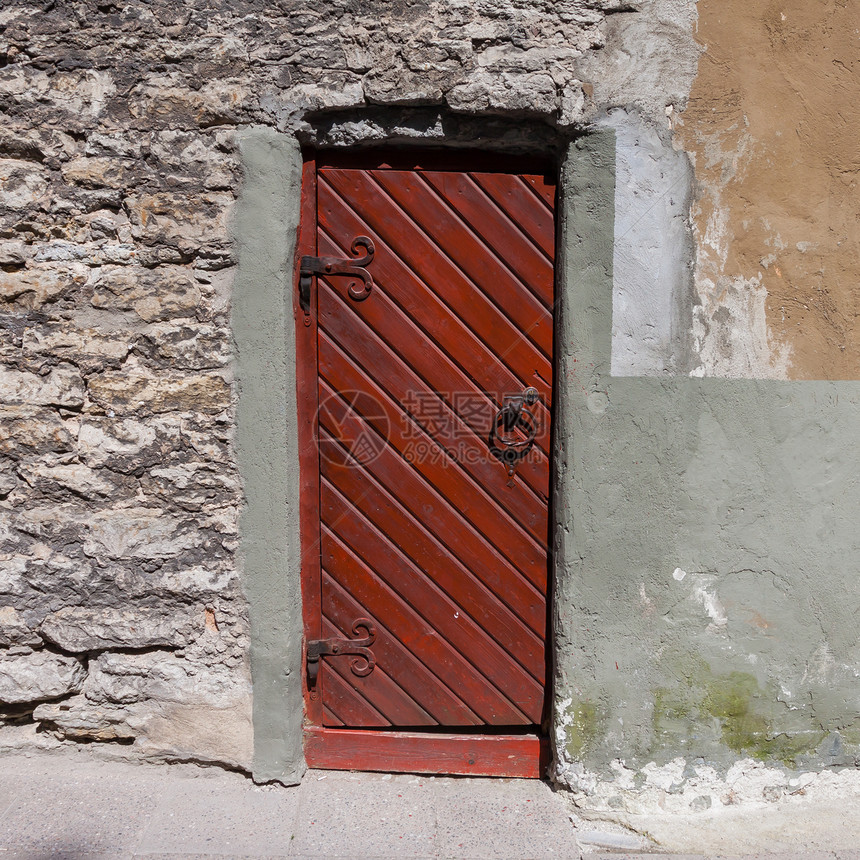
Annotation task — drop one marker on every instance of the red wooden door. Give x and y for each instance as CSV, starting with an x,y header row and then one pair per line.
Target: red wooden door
x,y
431,477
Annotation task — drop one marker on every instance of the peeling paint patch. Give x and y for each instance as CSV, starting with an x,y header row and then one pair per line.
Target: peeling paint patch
x,y
711,604
770,128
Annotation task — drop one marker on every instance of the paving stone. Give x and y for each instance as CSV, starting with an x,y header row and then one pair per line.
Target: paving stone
x,y
502,819
222,816
367,815
65,815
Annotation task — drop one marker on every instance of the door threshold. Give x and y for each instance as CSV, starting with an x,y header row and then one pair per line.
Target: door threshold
x,y
515,756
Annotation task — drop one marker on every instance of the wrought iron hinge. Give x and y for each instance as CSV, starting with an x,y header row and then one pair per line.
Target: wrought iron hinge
x,y
336,647
353,266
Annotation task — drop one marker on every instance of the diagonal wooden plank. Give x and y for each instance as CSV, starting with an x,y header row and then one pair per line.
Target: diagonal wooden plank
x,y
544,190
348,707
502,237
513,195
443,614
440,487
377,688
412,631
437,296
446,707
461,453
415,203
394,501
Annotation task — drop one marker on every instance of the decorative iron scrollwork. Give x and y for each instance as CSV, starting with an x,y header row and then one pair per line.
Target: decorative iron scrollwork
x,y
351,266
337,647
513,431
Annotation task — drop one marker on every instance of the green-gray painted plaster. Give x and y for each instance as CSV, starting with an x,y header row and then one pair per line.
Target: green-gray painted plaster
x,y
706,541
266,224
704,530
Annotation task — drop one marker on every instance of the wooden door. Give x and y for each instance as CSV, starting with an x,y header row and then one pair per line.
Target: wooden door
x,y
425,395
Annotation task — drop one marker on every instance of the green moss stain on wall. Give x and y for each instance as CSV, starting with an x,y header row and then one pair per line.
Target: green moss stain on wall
x,y
584,727
734,708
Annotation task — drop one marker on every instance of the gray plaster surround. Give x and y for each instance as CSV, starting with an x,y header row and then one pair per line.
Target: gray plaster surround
x,y
703,530
266,437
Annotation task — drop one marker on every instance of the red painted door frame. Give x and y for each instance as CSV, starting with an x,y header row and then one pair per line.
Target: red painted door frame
x,y
454,751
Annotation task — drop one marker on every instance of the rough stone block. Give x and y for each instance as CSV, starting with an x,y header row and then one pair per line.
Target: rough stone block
x,y
91,349
192,486
76,477
142,533
153,294
38,676
63,386
79,719
22,183
102,172
136,389
78,96
78,629
40,283
13,253
195,346
14,629
125,445
12,569
188,223
125,678
30,429
169,99
190,157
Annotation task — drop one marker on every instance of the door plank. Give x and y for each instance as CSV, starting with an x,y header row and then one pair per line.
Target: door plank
x,y
445,616
479,693
406,264
529,212
419,682
491,224
405,197
429,538
439,488
514,756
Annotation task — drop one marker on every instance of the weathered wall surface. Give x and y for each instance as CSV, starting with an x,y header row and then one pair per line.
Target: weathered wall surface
x,y
705,560
771,130
705,548
756,100
710,232
123,590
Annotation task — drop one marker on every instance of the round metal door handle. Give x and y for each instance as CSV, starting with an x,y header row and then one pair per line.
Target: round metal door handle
x,y
505,445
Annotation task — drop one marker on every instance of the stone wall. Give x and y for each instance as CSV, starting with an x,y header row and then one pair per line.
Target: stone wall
x,y
128,599
122,612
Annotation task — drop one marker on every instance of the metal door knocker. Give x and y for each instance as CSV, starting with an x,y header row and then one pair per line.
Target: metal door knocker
x,y
514,428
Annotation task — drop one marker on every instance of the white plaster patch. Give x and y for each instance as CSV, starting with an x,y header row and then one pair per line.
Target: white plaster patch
x,y
648,606
712,606
650,272
678,574
683,787
731,337
666,777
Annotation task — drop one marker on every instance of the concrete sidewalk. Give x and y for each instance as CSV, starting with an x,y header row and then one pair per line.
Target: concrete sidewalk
x,y
74,805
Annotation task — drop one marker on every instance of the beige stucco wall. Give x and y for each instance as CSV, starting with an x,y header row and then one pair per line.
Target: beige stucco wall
x,y
771,129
